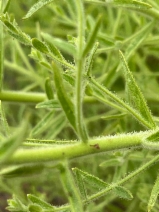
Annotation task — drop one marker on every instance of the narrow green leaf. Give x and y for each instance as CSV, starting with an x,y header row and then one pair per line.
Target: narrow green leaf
x,y
3,121
6,6
112,162
92,37
22,170
137,39
40,46
63,98
36,200
37,6
14,30
80,184
12,142
116,116
16,205
49,104
129,4
49,88
123,192
154,195
51,51
64,46
152,140
35,208
71,189
135,98
43,124
89,61
92,180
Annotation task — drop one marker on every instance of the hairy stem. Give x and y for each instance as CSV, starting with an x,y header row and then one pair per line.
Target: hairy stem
x,y
94,146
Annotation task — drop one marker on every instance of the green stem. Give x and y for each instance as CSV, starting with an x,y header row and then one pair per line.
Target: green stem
x,y
94,146
79,80
14,96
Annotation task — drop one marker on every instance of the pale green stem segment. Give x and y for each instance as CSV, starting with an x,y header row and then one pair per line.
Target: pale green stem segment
x,y
79,80
14,96
93,146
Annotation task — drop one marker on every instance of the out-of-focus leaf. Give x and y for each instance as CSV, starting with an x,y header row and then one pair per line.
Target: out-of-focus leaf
x,y
154,195
49,104
36,200
12,142
49,88
3,121
22,170
42,124
14,30
37,6
129,4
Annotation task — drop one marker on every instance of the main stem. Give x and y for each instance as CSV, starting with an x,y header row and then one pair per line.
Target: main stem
x,y
94,146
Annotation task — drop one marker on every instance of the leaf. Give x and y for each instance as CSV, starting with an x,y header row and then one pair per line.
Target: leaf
x,y
3,121
63,98
53,103
43,124
152,140
135,98
16,205
92,180
153,137
61,44
112,162
49,88
123,192
80,184
96,86
36,200
92,37
116,116
22,170
11,143
37,6
51,51
129,4
89,61
35,208
14,30
6,6
71,189
136,40
40,46
154,195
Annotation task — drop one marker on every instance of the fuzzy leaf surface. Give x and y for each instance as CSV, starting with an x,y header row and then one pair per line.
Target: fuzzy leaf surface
x,y
134,96
63,98
37,6
14,30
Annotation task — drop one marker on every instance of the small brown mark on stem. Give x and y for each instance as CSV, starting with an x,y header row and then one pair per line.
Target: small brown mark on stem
x,y
96,146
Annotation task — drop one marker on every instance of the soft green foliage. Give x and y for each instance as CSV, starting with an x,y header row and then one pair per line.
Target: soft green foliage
x,y
79,78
